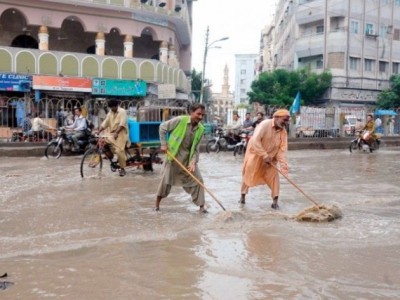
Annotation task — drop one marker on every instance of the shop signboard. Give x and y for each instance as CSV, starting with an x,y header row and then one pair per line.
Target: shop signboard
x,y
15,82
118,87
66,84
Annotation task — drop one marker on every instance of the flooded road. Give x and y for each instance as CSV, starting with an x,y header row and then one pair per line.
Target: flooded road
x,y
62,237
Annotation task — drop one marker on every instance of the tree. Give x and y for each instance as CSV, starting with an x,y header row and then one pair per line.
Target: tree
x,y
278,88
196,87
390,98
196,84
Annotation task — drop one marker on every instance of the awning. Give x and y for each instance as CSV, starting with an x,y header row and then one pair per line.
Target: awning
x,y
385,112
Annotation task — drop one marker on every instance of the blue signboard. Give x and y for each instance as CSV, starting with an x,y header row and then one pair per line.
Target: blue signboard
x,y
15,82
115,87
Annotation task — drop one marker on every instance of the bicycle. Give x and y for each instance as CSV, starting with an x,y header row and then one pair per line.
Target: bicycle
x,y
92,160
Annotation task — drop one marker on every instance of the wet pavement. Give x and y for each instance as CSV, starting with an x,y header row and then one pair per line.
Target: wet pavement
x,y
63,237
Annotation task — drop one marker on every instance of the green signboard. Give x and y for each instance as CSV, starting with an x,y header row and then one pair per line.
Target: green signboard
x,y
116,87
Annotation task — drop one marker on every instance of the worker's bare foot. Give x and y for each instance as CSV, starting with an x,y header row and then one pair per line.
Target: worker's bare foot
x,y
242,199
157,208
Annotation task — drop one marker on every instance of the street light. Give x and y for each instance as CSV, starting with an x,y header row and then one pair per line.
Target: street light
x,y
208,46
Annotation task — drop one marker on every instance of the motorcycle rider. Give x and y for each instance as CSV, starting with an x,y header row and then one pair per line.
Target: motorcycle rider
x,y
370,136
79,128
260,118
248,122
235,128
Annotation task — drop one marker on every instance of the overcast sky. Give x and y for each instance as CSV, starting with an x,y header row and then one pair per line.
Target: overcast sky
x,y
241,21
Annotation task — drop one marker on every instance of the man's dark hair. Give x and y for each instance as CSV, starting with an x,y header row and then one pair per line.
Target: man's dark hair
x,y
112,103
78,108
196,106
260,113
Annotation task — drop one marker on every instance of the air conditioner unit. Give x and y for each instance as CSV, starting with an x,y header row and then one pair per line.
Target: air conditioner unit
x,y
371,32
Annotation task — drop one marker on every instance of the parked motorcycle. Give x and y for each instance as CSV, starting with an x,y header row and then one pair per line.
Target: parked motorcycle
x,y
37,136
222,141
360,142
63,142
240,148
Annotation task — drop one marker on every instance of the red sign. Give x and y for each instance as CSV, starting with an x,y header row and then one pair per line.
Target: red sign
x,y
68,84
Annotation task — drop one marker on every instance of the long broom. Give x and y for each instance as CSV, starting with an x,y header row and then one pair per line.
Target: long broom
x,y
195,179
316,213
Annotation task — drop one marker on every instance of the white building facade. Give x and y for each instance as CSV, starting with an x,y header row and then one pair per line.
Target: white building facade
x,y
358,41
245,72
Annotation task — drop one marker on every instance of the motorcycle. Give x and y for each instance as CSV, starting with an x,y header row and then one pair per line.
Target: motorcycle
x,y
37,136
360,143
63,142
240,148
222,141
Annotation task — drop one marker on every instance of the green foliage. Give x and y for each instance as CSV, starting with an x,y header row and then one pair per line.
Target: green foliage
x,y
196,87
278,88
390,98
196,84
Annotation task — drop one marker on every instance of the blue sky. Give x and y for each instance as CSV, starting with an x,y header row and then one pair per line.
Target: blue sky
x,y
241,21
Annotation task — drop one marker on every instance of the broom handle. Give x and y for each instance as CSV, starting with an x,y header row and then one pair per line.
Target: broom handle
x,y
198,181
295,185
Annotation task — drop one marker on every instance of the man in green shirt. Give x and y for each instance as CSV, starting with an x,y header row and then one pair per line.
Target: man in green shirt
x,y
185,133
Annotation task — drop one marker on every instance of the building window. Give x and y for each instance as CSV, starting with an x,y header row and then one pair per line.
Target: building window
x,y
369,29
369,65
242,81
395,68
383,66
385,2
354,63
354,27
242,71
397,2
320,29
320,64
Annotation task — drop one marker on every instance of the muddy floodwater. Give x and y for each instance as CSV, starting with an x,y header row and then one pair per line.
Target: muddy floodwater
x,y
63,237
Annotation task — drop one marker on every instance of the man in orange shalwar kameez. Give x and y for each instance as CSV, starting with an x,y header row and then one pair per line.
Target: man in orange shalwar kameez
x,y
267,147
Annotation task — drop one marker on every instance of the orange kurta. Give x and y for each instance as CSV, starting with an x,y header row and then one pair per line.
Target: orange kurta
x,y
265,142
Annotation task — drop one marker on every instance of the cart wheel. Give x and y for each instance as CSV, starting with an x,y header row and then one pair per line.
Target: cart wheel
x,y
91,163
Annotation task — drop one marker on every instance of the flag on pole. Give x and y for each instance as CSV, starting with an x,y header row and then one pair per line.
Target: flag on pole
x,y
295,108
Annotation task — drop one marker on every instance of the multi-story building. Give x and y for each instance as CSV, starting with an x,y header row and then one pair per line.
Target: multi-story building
x,y
222,102
265,59
244,75
358,41
138,50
